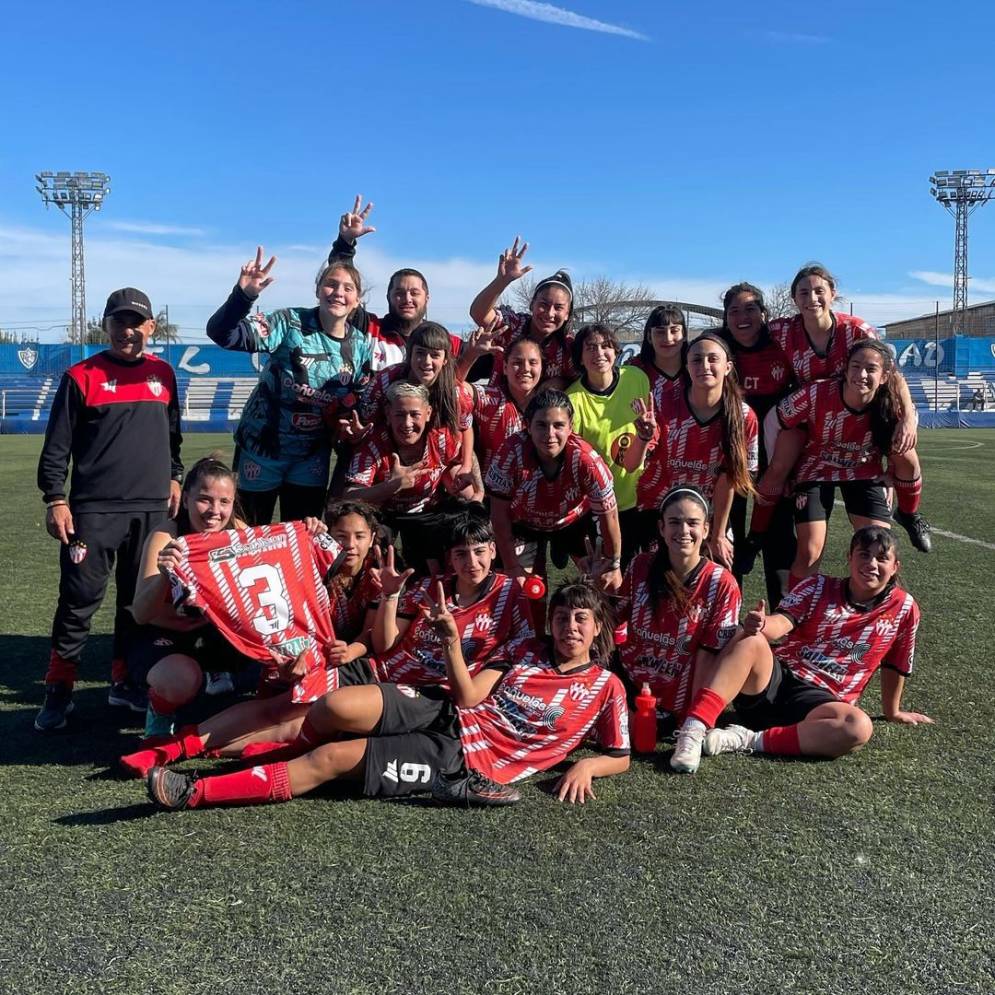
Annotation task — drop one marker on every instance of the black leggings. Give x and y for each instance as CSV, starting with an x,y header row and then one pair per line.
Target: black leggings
x,y
778,543
296,502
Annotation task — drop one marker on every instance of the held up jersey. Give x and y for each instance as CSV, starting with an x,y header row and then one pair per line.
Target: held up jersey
x,y
689,452
806,363
583,483
838,645
536,716
839,444
662,642
371,465
500,617
262,588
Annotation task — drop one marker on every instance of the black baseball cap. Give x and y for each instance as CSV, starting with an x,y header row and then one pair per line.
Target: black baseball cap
x,y
128,299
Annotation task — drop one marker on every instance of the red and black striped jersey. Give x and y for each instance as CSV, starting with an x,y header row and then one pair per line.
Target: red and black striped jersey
x,y
536,715
689,452
556,348
838,645
663,640
664,388
583,483
806,363
498,618
496,418
839,444
371,465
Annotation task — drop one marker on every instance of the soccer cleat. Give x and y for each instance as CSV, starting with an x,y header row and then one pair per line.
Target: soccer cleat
x,y
58,704
219,682
123,695
687,751
169,789
732,739
472,789
918,529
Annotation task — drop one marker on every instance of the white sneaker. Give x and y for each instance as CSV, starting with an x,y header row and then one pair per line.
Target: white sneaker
x,y
732,739
219,682
687,752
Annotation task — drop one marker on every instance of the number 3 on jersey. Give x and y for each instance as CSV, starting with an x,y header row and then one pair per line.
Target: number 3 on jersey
x,y
265,583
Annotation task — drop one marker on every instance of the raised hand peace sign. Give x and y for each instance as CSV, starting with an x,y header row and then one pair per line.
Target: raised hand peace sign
x,y
510,266
352,224
645,417
604,572
391,581
351,430
485,338
405,477
254,277
438,616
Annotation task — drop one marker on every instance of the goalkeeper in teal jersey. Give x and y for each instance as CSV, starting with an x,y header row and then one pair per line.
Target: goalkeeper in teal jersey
x,y
317,366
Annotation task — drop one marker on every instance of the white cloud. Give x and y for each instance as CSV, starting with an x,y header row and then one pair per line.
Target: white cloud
x,y
150,228
947,280
558,15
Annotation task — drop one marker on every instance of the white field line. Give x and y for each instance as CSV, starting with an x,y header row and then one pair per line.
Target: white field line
x,y
960,538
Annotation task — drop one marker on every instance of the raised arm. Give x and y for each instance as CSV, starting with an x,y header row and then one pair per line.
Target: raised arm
x,y
227,326
510,269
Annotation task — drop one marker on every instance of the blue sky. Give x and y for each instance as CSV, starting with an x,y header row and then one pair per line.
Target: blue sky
x,y
686,146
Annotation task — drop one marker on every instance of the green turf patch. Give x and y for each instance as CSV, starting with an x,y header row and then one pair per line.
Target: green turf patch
x,y
867,875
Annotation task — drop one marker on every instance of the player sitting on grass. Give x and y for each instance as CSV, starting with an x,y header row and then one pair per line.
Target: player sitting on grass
x,y
516,717
353,591
829,636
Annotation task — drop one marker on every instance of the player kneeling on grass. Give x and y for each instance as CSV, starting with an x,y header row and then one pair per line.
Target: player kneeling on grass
x,y
514,718
829,636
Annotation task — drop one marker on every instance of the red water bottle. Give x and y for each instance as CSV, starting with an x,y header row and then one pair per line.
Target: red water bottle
x,y
644,722
534,588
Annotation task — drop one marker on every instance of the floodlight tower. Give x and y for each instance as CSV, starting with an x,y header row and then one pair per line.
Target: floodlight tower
x,y
76,195
962,192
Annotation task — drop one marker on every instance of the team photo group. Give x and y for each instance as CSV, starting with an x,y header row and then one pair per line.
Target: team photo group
x,y
440,565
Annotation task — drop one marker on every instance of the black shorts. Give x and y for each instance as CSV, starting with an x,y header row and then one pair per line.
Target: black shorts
x,y
866,498
563,543
206,645
356,673
417,737
787,699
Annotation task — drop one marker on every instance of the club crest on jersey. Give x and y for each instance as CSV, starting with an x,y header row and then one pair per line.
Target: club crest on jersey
x,y
346,372
27,357
484,622
580,692
777,373
155,385
110,386
77,551
885,628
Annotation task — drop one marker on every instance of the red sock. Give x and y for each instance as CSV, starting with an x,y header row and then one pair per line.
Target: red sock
x,y
707,707
763,512
160,705
909,493
119,671
185,744
781,740
254,786
60,670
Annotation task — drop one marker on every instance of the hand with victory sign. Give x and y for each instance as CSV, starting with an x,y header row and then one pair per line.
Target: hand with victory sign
x,y
510,266
254,277
352,224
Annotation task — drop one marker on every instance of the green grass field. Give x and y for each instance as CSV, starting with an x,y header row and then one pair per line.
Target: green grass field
x,y
870,874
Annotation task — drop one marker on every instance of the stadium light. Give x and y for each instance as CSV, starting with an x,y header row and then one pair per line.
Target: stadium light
x,y
961,192
76,195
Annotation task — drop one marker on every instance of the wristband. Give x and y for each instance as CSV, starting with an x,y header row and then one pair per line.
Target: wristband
x,y
644,438
392,597
616,564
56,504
